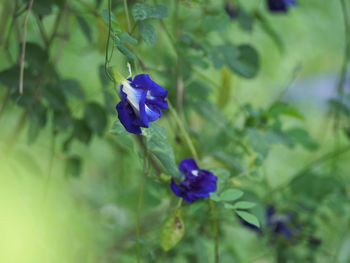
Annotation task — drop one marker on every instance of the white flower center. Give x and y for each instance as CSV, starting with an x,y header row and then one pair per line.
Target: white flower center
x,y
195,172
132,95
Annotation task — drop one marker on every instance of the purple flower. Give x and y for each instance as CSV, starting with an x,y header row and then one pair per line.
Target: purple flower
x,y
196,183
280,5
141,102
279,223
231,10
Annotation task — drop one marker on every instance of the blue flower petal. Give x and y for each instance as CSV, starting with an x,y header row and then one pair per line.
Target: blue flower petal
x,y
145,98
152,112
277,5
128,117
197,183
187,166
155,90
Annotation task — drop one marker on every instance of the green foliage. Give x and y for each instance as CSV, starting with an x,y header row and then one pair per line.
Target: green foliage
x,y
272,137
156,140
142,11
148,33
248,217
227,195
172,230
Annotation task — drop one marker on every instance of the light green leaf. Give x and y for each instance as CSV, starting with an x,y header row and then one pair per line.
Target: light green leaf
x,y
230,195
172,230
248,217
148,33
243,205
118,128
215,22
156,139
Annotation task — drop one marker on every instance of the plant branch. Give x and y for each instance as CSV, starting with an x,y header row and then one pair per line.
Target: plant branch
x,y
127,15
215,230
184,132
23,52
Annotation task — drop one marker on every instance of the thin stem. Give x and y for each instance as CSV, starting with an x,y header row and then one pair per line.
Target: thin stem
x,y
184,132
5,101
127,15
23,52
215,230
52,155
108,39
140,201
314,163
42,32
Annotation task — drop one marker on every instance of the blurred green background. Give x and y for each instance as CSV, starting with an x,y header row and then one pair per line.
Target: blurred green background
x,y
76,200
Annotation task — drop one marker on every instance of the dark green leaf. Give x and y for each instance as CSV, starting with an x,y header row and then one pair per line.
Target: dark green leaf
x,y
85,27
142,11
114,22
247,63
72,88
73,166
82,131
37,120
95,117
55,97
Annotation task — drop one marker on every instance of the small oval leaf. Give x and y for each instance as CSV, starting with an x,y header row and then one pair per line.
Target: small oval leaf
x,y
172,230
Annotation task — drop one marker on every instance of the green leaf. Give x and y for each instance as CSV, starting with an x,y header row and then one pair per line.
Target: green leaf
x,y
268,29
258,142
228,195
282,108
84,26
118,128
95,117
82,131
156,139
36,56
125,37
301,136
215,22
148,33
247,63
142,11
248,217
245,20
231,195
114,22
55,97
172,230
72,88
73,166
126,51
37,120
240,205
